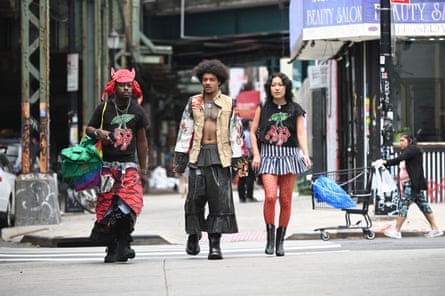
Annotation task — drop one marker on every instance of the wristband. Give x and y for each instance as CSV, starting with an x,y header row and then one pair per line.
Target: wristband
x,y
142,171
96,134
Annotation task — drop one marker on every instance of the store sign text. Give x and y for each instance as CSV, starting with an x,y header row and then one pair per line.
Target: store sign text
x,y
347,12
331,16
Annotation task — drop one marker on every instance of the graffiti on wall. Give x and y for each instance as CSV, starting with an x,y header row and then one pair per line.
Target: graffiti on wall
x,y
37,201
436,191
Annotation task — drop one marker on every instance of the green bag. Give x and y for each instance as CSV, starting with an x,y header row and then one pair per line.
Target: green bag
x,y
81,159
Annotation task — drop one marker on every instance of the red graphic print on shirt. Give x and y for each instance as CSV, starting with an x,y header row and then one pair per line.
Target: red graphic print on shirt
x,y
122,137
278,134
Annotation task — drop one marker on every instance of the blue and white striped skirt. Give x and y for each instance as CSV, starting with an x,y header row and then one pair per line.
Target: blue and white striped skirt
x,y
280,160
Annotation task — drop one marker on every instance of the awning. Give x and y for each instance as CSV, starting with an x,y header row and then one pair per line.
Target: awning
x,y
318,29
317,49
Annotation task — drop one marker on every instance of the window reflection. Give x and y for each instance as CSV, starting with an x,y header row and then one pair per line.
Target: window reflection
x,y
418,93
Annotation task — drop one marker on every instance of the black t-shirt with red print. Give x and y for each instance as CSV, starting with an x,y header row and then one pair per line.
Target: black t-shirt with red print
x,y
278,124
123,127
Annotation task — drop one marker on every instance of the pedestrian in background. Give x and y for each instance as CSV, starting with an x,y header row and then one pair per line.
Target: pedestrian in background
x,y
246,183
209,141
413,185
279,128
123,134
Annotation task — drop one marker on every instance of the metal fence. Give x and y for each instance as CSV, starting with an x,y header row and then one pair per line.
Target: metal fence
x,y
434,166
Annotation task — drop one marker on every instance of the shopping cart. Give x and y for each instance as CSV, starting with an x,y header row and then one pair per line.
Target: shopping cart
x,y
344,189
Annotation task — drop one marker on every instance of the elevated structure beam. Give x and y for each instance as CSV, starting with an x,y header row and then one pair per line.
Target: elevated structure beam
x,y
35,77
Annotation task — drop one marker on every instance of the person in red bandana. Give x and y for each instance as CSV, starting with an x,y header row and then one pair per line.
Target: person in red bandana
x,y
120,124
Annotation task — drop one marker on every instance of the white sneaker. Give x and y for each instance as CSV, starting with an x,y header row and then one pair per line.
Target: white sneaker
x,y
434,233
393,234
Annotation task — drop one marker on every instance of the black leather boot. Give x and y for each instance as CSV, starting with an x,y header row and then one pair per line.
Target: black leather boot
x,y
281,232
192,247
111,252
214,246
270,239
123,230
124,252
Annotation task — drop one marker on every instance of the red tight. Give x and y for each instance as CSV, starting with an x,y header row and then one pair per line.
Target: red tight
x,y
286,184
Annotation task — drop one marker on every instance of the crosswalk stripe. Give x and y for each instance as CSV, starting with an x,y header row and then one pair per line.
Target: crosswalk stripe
x,y
246,249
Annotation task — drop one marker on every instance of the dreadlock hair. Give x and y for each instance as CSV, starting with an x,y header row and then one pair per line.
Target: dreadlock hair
x,y
215,67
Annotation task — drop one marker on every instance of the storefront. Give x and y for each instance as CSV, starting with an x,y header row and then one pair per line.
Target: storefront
x,y
344,35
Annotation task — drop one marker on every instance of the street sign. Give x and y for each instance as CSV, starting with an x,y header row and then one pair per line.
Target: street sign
x,y
318,76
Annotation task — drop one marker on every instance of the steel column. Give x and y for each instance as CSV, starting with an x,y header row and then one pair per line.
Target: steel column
x,y
35,77
92,54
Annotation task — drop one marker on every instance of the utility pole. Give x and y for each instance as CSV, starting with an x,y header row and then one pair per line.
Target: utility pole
x,y
386,204
385,83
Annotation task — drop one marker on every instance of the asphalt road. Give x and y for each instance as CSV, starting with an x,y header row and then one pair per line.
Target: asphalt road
x,y
410,266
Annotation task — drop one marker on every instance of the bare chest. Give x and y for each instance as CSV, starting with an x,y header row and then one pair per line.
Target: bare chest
x,y
210,111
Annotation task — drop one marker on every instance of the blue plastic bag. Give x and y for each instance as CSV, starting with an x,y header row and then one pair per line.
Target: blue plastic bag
x,y
326,190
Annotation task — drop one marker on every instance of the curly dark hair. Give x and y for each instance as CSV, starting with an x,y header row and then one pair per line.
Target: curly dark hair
x,y
287,83
215,67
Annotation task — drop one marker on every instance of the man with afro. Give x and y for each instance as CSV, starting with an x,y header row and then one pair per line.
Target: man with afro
x,y
209,141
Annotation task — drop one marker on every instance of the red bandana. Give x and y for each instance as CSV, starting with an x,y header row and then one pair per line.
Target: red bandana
x,y
123,75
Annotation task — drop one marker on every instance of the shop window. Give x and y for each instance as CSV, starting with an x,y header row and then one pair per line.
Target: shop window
x,y
418,92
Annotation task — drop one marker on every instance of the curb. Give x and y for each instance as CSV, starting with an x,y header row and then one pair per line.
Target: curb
x,y
71,242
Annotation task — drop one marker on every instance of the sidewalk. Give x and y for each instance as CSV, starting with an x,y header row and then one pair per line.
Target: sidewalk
x,y
162,221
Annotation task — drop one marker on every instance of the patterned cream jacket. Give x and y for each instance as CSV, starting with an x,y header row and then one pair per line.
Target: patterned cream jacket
x,y
228,129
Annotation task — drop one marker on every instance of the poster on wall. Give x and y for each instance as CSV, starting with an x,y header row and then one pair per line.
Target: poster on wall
x,y
318,76
72,73
247,102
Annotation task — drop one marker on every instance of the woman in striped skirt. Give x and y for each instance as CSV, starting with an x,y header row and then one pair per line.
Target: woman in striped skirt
x,y
280,153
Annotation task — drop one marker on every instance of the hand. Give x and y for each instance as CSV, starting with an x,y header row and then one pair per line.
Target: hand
x,y
103,136
307,162
180,163
378,163
179,169
176,171
144,179
255,163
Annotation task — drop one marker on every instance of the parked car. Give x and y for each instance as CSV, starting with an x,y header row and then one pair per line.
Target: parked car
x,y
13,151
14,154
7,191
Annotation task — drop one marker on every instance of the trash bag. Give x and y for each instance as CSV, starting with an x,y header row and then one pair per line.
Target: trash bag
x,y
326,190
